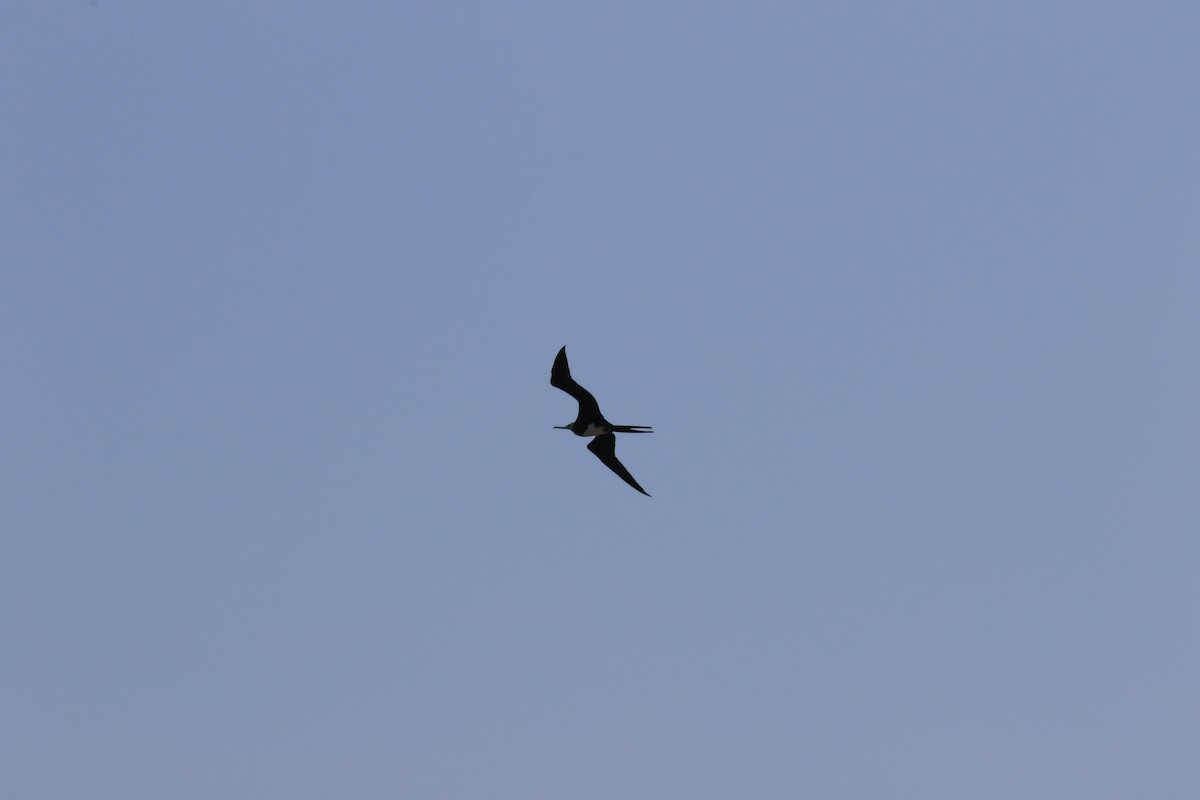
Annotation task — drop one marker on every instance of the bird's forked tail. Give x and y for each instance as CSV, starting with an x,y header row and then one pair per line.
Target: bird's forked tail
x,y
631,429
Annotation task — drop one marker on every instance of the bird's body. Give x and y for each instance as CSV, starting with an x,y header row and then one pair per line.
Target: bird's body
x,y
588,429
590,422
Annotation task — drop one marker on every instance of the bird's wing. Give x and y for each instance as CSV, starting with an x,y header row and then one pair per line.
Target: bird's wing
x,y
605,448
560,378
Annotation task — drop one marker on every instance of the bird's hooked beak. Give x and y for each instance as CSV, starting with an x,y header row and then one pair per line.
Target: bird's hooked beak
x,y
562,427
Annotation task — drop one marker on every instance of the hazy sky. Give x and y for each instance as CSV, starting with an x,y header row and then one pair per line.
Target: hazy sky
x,y
909,293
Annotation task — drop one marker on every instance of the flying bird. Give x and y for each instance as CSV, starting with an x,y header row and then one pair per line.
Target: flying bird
x,y
591,422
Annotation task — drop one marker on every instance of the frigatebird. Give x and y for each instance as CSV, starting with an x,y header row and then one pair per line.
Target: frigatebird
x,y
591,422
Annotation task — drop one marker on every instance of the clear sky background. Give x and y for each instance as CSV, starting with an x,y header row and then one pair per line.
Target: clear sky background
x,y
908,291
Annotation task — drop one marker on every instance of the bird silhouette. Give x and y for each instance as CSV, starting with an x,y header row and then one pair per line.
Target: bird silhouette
x,y
590,422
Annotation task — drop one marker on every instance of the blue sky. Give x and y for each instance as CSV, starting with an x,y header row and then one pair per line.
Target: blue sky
x,y
908,292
